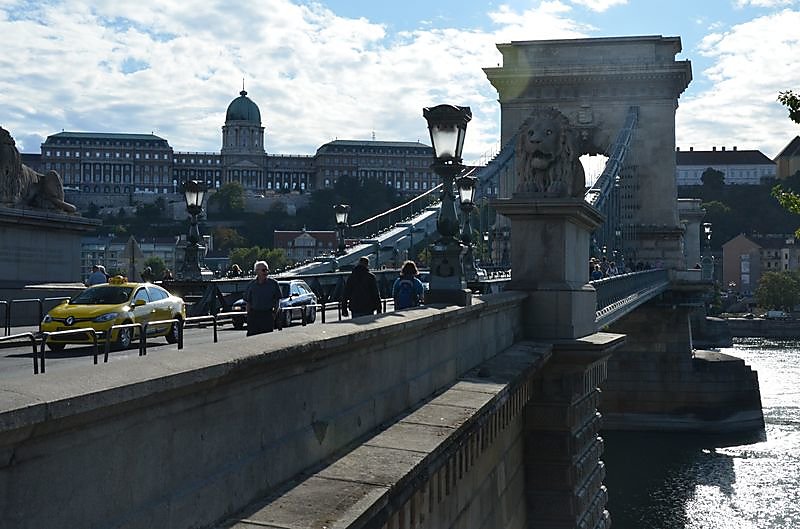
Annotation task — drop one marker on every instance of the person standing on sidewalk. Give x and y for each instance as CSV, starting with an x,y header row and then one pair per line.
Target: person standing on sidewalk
x,y
262,299
361,293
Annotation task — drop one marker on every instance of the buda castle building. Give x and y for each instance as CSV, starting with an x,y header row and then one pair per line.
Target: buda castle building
x,y
120,169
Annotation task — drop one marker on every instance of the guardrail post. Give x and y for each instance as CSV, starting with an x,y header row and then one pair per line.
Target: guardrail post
x,y
303,316
42,353
6,319
216,339
181,323
107,346
94,346
143,339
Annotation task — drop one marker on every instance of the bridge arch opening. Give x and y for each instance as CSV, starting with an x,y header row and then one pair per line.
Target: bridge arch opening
x,y
593,166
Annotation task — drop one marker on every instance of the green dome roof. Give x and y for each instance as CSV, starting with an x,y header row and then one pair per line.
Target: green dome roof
x,y
243,109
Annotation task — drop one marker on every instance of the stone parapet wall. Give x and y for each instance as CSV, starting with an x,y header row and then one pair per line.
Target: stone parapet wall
x,y
184,439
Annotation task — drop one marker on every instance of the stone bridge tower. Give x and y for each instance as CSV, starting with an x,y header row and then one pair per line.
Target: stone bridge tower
x,y
594,82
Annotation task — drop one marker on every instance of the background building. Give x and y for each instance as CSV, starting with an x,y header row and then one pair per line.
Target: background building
x,y
303,245
745,258
113,170
788,160
739,167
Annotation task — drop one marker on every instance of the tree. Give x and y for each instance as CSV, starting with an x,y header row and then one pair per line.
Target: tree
x,y
229,198
245,257
778,290
228,238
787,198
713,179
792,102
157,265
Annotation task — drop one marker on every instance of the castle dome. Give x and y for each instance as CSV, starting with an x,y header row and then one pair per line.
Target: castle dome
x,y
243,109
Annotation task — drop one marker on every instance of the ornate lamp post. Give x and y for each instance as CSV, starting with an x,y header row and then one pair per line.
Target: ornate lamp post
x,y
447,125
193,192
707,261
342,211
466,197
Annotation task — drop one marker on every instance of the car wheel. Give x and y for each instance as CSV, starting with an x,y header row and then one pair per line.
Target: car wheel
x,y
287,318
172,334
238,323
56,347
124,338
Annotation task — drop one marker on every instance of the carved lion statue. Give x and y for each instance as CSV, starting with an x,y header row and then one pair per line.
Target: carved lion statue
x,y
547,158
22,186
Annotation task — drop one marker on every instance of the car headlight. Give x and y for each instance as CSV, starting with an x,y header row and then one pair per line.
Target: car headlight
x,y
47,318
106,317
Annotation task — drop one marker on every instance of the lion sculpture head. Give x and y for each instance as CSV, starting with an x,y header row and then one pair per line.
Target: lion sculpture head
x,y
547,159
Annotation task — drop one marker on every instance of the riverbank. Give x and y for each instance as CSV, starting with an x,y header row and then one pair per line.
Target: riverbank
x,y
764,328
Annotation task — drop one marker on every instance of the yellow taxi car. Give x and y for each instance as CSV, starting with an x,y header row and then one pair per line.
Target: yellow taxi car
x,y
117,302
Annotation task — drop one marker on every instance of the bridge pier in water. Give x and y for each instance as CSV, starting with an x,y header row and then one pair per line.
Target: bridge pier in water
x,y
658,382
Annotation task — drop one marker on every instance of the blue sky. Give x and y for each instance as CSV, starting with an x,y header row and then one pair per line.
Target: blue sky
x,y
349,69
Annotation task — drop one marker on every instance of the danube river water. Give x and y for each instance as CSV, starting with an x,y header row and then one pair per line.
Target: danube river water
x,y
717,482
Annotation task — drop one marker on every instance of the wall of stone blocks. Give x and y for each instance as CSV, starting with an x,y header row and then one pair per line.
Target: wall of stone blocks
x,y
185,439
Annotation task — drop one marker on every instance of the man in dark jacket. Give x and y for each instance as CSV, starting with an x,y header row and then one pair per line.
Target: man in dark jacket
x,y
361,294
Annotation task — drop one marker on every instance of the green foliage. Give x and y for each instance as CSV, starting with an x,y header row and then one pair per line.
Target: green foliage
x,y
739,209
789,200
151,212
157,265
713,179
366,199
227,238
93,212
229,198
788,197
778,290
245,257
792,102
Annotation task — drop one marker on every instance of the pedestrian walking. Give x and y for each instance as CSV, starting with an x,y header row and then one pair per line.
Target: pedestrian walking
x,y
361,294
97,277
147,274
407,289
262,298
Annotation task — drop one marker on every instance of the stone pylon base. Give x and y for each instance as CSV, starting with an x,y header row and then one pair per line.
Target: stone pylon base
x,y
550,261
563,471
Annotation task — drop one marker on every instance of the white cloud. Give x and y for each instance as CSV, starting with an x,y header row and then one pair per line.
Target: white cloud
x,y
172,67
599,5
764,3
752,63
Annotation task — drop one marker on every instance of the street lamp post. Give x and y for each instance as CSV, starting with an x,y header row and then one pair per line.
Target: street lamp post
x,y
466,197
707,261
447,125
193,192
342,211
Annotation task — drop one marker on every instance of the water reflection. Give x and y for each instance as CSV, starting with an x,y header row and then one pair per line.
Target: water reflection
x,y
652,477
682,481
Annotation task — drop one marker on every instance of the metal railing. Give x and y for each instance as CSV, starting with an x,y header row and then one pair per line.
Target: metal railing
x,y
32,339
619,295
8,306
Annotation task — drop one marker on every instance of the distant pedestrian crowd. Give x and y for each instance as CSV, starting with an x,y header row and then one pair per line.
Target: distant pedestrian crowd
x,y
602,268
